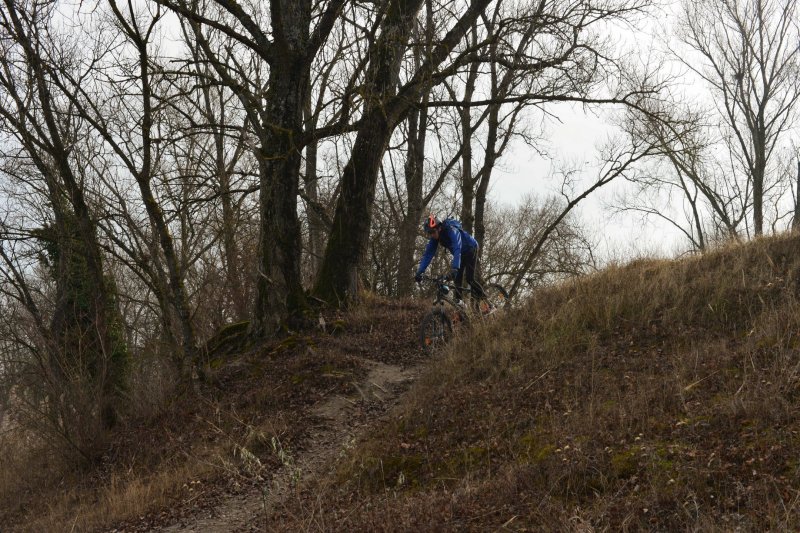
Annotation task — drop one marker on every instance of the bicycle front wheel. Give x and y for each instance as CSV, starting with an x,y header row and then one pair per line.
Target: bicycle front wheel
x,y
435,330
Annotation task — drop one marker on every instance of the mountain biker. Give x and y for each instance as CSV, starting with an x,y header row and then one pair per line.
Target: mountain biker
x,y
460,243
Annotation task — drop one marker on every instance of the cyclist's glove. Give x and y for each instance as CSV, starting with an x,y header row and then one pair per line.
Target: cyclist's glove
x,y
418,277
452,275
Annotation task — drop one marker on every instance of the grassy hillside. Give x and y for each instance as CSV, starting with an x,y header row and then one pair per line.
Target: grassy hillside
x,y
659,395
228,438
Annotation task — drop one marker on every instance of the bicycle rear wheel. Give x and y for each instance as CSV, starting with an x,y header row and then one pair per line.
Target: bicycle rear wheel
x,y
495,298
435,331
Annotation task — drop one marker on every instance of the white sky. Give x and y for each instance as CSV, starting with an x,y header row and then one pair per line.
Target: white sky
x,y
575,139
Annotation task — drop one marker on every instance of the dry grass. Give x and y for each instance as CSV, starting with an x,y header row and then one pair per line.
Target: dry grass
x,y
25,467
39,493
657,395
186,453
119,498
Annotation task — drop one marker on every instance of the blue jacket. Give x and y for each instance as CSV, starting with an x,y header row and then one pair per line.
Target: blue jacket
x,y
454,239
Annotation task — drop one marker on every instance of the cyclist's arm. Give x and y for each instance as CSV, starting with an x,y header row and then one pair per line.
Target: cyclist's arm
x,y
455,239
427,256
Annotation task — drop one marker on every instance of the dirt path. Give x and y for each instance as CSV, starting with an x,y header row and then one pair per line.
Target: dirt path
x,y
340,423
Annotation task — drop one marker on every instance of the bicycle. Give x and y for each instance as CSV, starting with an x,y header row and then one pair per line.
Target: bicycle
x,y
437,326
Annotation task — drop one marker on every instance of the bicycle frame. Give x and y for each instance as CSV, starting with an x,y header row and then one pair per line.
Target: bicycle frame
x,y
445,294
439,323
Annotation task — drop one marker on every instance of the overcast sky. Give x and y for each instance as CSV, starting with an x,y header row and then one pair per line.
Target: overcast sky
x,y
574,139
574,136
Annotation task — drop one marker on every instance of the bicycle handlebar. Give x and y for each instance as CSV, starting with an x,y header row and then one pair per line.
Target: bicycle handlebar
x,y
443,281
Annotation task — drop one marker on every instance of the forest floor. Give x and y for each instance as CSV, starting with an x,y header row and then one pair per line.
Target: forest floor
x,y
655,396
370,359
229,456
336,421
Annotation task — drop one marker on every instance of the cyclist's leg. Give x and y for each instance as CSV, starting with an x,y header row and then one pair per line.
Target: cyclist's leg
x,y
469,264
459,278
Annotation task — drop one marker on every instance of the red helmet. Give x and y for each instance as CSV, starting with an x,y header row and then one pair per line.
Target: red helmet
x,y
430,223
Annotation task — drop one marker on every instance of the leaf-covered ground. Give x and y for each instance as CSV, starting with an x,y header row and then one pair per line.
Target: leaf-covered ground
x,y
659,395
238,437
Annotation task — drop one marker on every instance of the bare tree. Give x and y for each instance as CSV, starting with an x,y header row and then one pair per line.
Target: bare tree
x,y
796,219
328,83
138,30
385,107
619,158
223,124
288,46
109,106
81,357
714,203
750,61
515,71
566,253
414,168
524,70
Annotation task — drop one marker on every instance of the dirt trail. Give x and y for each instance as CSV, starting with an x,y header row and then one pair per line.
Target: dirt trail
x,y
339,426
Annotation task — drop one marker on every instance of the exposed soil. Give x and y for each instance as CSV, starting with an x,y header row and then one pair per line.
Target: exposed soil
x,y
320,392
338,422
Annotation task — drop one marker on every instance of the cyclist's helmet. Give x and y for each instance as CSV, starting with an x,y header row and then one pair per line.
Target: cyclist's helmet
x,y
430,223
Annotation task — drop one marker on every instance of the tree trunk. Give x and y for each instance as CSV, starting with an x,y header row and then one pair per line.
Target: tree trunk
x,y
409,226
337,282
316,226
796,220
352,218
233,268
758,193
414,172
86,323
280,300
480,207
144,177
485,175
467,183
467,179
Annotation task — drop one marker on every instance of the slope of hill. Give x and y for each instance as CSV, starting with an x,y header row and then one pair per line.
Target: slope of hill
x,y
658,395
213,459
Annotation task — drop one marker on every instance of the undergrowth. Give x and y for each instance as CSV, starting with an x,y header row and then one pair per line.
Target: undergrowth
x,y
178,453
659,395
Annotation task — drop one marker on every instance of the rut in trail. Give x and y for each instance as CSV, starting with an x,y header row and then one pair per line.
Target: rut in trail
x,y
340,422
